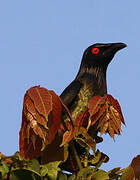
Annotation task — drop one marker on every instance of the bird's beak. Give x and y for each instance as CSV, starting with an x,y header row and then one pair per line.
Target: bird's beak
x,y
111,49
117,46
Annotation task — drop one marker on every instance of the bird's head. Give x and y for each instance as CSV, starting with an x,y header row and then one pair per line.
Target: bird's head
x,y
100,54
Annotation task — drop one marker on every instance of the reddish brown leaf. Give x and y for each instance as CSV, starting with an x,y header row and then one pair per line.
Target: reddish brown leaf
x,y
117,106
68,124
55,117
95,104
61,129
53,151
135,164
78,121
107,112
111,130
28,148
90,142
68,135
104,118
30,138
66,110
29,107
82,119
99,115
42,100
114,119
104,128
115,116
128,174
40,121
37,128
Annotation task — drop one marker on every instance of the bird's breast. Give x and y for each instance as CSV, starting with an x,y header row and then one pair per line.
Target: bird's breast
x,y
83,98
92,86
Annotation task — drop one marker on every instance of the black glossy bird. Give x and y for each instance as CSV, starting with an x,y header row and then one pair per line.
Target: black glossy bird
x,y
91,78
90,81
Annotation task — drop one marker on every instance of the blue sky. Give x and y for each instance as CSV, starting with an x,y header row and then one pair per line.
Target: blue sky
x,y
42,42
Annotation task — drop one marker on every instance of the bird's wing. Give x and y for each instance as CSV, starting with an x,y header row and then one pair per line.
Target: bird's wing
x,y
69,94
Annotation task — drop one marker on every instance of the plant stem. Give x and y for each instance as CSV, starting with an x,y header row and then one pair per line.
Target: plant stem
x,y
76,155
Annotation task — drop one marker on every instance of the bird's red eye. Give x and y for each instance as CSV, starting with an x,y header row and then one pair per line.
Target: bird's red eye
x,y
95,50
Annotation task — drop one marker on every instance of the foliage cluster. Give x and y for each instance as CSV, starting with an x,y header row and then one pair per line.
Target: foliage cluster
x,y
53,146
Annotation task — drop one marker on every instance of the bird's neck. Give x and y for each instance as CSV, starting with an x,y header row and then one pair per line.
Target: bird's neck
x,y
96,76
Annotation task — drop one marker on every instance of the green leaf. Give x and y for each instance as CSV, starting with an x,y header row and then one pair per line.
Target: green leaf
x,y
90,174
53,169
114,173
4,169
100,175
96,158
85,173
18,156
44,170
86,140
114,170
66,152
72,177
33,166
62,176
28,169
23,174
